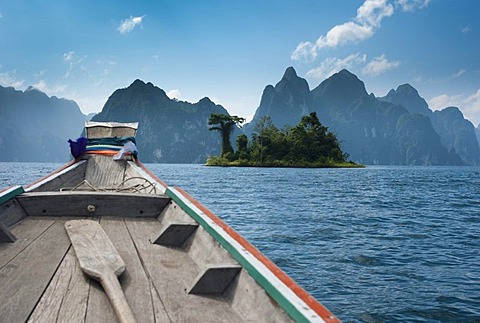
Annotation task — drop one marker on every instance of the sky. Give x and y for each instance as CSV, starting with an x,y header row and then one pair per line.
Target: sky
x,y
230,50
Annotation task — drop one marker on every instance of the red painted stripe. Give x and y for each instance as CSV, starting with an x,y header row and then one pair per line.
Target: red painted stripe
x,y
4,189
323,312
52,173
146,170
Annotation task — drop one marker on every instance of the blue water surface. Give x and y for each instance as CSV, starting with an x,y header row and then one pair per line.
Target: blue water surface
x,y
379,244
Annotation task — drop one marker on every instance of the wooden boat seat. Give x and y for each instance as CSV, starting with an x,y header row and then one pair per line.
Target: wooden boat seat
x,y
81,203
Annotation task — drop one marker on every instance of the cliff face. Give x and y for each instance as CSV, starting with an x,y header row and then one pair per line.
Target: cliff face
x,y
285,103
170,131
398,129
35,127
457,134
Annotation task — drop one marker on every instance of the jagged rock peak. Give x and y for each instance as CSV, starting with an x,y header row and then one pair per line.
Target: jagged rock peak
x,y
452,112
291,80
140,83
348,80
407,89
408,97
290,73
33,91
344,86
206,100
346,75
149,87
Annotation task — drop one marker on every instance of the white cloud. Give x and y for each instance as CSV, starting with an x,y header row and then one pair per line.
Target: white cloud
x,y
332,65
55,90
379,65
368,19
67,57
372,12
129,24
369,16
448,78
459,73
469,104
467,28
348,32
305,51
174,94
442,101
7,80
472,108
411,5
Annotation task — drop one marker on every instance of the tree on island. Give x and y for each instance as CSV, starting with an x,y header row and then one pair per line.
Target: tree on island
x,y
308,144
224,123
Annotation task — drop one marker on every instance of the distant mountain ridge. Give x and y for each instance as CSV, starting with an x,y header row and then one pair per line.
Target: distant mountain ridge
x,y
35,127
398,129
170,131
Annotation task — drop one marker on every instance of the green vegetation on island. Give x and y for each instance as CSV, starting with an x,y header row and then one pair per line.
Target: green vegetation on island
x,y
308,144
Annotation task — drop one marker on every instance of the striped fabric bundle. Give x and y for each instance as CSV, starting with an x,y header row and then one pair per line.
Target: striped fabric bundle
x,y
107,146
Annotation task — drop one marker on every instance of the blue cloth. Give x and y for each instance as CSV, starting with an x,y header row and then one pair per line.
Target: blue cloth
x,y
78,147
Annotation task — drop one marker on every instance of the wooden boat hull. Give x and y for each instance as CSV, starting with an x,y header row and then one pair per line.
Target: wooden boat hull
x,y
183,263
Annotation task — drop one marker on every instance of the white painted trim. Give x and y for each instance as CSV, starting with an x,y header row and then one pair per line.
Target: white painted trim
x,y
9,190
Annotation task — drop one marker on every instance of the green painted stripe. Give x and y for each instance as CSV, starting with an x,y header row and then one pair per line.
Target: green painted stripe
x,y
12,192
281,299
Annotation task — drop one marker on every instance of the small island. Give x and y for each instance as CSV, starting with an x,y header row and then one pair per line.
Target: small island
x,y
309,145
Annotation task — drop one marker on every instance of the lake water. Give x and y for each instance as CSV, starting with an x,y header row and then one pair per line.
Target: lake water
x,y
379,244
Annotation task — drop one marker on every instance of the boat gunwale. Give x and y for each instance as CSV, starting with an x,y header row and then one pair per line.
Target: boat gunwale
x,y
58,172
292,298
297,302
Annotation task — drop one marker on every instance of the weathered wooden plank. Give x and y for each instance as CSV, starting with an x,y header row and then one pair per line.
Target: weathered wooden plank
x,y
159,312
26,232
134,280
203,241
104,172
69,176
100,260
172,272
25,278
65,299
92,204
99,308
